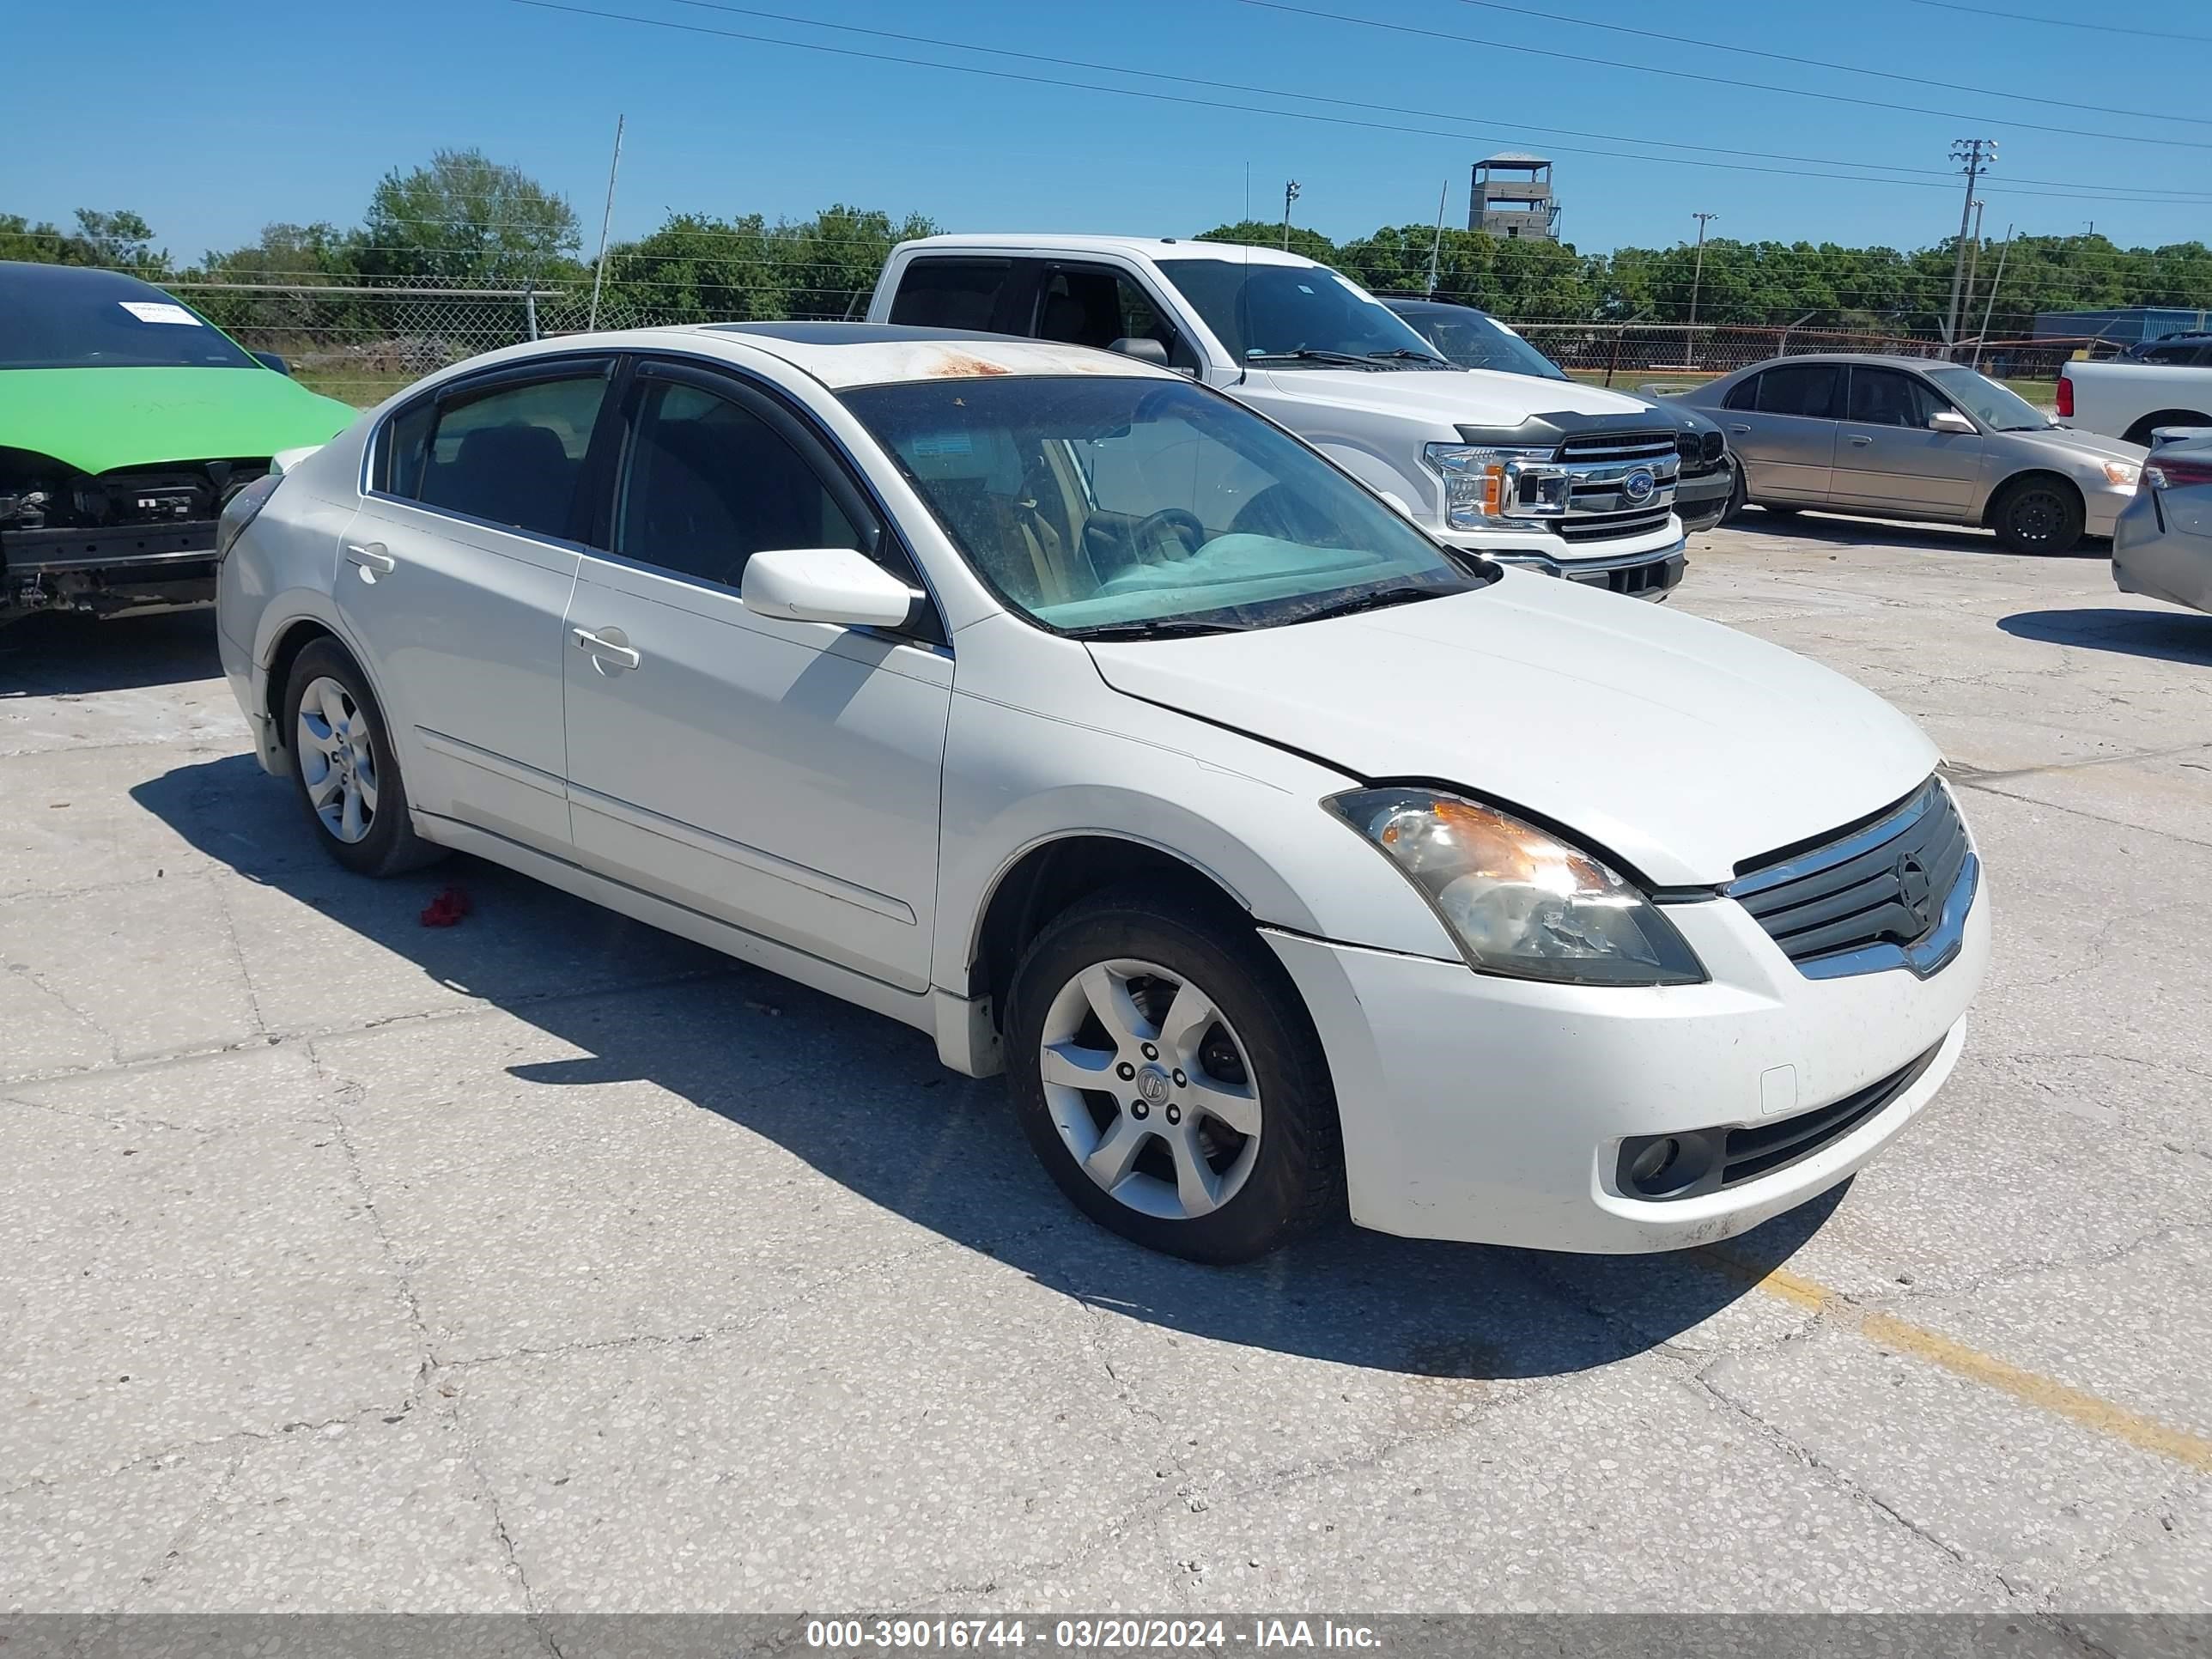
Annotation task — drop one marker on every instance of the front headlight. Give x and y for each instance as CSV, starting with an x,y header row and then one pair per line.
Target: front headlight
x,y
1474,478
2123,474
1520,901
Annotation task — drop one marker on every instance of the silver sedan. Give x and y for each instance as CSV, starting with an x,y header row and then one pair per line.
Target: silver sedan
x,y
2162,546
1908,438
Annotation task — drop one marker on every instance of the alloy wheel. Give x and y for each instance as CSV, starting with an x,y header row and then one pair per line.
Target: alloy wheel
x,y
336,759
1151,1089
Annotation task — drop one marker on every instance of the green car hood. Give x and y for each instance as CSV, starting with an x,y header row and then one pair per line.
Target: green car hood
x,y
98,419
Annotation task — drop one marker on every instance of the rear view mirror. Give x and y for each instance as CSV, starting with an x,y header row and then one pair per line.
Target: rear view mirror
x,y
825,585
270,360
1949,420
1144,351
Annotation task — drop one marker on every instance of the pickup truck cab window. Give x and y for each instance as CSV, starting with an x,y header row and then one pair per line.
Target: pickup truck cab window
x,y
1094,306
1291,315
938,292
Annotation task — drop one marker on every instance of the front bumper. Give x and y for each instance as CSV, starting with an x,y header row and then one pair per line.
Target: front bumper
x,y
1701,499
1651,575
109,569
2101,507
1492,1110
2155,559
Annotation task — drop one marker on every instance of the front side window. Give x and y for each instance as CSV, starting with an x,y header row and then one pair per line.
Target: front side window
x,y
510,456
951,293
1090,306
1998,407
1120,504
1291,316
706,483
1888,397
1807,389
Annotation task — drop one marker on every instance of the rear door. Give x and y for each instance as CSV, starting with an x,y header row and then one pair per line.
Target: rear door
x,y
978,293
455,576
1782,425
1887,460
780,776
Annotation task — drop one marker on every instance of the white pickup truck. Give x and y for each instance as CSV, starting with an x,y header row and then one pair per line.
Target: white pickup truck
x,y
1571,479
2131,400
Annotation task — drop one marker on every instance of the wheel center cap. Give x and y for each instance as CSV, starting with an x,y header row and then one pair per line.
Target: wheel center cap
x,y
1153,1086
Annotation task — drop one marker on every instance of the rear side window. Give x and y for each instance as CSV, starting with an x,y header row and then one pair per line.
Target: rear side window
x,y
511,456
1744,394
1808,389
951,293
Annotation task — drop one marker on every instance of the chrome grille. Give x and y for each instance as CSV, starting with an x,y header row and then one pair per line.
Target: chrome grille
x,y
1892,893
1607,526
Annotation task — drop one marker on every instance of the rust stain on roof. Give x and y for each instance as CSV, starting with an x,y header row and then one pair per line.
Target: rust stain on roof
x,y
955,367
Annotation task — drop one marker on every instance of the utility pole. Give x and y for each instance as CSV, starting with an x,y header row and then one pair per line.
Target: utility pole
x,y
1973,263
1437,242
1699,275
599,268
1290,195
1982,338
1975,156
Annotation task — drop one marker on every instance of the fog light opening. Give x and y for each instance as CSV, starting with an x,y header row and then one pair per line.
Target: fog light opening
x,y
1646,1170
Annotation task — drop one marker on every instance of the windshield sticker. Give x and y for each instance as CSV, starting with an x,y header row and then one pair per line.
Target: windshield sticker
x,y
157,310
944,443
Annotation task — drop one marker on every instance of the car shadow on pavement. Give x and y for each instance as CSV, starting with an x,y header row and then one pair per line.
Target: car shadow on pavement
x,y
61,653
2164,635
1839,530
941,1150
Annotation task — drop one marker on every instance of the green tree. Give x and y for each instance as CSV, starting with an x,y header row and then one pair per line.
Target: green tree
x,y
699,268
467,222
1258,232
120,240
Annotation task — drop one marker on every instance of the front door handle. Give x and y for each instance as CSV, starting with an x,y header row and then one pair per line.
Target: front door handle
x,y
1740,430
609,649
1859,439
371,560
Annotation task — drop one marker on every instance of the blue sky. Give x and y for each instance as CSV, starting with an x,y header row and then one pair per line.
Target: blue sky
x,y
214,118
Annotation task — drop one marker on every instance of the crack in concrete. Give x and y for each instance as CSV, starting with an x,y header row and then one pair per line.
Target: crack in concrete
x,y
2080,813
132,1119
1963,772
32,977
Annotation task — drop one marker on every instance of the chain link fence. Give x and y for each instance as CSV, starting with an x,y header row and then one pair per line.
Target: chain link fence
x,y
362,343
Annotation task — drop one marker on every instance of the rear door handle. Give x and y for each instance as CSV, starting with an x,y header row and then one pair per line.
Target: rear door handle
x,y
1859,439
611,647
370,559
1740,431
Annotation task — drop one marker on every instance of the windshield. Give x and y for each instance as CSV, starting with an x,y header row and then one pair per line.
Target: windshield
x,y
1099,503
1260,311
53,318
1991,404
1474,339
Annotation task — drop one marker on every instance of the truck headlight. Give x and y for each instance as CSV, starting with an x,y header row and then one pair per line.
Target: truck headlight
x,y
1520,901
1475,477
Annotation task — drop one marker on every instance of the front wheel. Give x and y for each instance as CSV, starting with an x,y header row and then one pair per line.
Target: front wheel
x,y
2037,515
1168,1079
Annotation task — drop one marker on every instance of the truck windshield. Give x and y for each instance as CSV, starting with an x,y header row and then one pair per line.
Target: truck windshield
x,y
1113,506
1993,405
1475,339
54,317
1295,315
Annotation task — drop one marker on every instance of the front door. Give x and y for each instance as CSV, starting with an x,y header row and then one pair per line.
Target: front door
x,y
1886,458
780,776
455,577
1782,425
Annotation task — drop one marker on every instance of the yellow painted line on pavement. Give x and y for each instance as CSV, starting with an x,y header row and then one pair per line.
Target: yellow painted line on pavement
x,y
2093,1412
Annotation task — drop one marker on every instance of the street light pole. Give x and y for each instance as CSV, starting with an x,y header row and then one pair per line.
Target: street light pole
x,y
1699,275
1973,264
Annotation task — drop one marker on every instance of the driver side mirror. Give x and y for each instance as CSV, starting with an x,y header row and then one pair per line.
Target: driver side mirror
x,y
832,585
1949,420
1143,350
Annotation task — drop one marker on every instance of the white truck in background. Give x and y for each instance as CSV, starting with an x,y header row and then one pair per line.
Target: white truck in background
x,y
2131,400
1568,479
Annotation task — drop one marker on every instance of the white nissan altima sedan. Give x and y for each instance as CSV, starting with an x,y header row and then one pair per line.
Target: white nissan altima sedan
x,y
1082,717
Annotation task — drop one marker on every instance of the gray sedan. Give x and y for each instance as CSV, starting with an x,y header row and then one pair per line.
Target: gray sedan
x,y
1908,438
2163,544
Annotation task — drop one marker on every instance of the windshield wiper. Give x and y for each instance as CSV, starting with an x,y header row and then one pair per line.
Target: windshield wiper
x,y
1167,628
1375,601
1404,354
1309,354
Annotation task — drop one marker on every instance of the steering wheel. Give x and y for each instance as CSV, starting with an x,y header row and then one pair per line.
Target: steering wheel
x,y
1152,539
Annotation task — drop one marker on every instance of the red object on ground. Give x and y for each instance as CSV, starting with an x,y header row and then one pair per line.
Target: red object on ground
x,y
448,908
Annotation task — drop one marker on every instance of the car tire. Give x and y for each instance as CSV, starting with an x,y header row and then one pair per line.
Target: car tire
x,y
1212,1130
1734,508
2038,514
343,769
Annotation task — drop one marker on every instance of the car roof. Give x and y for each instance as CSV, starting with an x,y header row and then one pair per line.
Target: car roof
x,y
1869,359
1411,302
23,273
1145,247
842,354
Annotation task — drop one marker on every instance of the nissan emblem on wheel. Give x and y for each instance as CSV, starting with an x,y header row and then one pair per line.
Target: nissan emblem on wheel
x,y
1292,857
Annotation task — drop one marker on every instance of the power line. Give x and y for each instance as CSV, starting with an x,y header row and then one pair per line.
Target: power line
x,y
2098,28
1823,63
1217,106
1584,61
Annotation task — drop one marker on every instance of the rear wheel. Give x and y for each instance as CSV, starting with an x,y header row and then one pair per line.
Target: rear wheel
x,y
344,767
2038,514
1168,1079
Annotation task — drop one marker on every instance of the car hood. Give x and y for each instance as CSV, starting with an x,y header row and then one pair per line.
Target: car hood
x,y
1676,745
2084,448
98,419
1449,397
